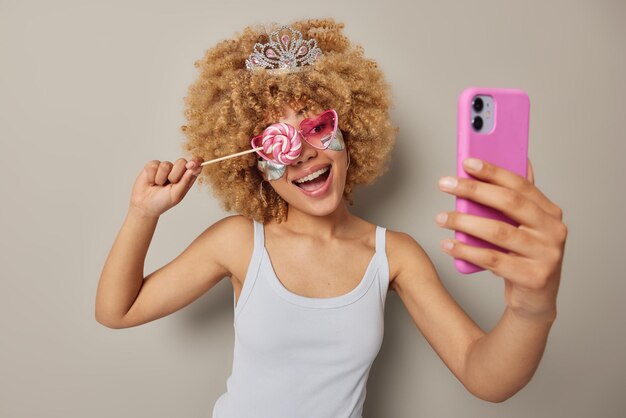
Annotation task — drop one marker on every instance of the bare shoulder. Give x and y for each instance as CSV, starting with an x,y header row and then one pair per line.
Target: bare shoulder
x,y
403,251
230,239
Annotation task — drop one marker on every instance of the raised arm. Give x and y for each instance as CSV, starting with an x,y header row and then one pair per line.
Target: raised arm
x,y
492,366
495,365
124,297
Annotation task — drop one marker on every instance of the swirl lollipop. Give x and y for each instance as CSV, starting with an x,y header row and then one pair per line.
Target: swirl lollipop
x,y
279,143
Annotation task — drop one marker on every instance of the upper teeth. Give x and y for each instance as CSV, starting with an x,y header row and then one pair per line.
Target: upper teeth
x,y
312,175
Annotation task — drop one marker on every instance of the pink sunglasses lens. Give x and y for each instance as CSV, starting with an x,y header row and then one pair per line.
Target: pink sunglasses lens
x,y
319,131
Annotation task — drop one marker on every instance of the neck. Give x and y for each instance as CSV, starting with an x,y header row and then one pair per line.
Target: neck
x,y
323,227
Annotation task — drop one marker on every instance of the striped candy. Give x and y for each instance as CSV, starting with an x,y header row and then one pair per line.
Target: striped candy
x,y
281,142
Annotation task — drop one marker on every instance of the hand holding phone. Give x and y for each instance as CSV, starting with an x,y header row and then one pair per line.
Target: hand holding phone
x,y
492,125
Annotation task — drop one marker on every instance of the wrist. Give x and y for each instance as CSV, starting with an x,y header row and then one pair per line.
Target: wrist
x,y
139,214
545,316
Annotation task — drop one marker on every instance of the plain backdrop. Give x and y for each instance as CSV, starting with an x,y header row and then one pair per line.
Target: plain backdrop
x,y
91,91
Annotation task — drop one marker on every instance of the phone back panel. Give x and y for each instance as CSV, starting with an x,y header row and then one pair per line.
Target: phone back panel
x,y
506,146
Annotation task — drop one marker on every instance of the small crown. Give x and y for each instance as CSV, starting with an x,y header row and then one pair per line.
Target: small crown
x,y
285,52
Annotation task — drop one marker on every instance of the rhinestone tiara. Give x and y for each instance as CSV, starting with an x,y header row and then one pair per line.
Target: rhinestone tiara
x,y
285,52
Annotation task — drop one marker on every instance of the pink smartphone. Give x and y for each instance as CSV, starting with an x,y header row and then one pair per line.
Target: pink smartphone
x,y
492,124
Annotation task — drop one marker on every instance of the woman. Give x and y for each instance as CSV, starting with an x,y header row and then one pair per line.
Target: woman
x,y
310,279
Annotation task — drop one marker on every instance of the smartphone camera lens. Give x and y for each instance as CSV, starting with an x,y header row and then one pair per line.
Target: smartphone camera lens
x,y
478,104
477,123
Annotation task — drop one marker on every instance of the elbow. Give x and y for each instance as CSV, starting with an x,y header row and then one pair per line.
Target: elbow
x,y
108,322
493,399
108,316
495,396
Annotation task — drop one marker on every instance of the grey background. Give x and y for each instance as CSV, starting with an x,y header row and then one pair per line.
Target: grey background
x,y
90,91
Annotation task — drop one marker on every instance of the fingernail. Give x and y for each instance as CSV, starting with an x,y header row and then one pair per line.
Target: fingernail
x,y
441,218
448,182
447,245
189,165
473,164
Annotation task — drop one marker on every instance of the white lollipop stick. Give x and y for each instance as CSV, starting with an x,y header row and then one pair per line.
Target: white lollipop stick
x,y
230,156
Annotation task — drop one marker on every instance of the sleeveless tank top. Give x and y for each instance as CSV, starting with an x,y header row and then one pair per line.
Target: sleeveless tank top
x,y
296,356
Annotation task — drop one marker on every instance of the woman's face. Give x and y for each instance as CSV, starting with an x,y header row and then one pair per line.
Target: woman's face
x,y
319,196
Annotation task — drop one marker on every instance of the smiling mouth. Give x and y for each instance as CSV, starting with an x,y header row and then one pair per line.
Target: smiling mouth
x,y
316,183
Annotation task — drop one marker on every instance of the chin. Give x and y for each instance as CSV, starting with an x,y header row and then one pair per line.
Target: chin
x,y
320,210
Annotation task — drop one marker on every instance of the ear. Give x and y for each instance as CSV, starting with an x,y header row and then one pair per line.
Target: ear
x,y
531,174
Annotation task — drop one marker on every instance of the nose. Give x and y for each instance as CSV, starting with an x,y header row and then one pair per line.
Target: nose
x,y
308,152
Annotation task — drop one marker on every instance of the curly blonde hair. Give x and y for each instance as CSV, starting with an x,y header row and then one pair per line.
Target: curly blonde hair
x,y
227,105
